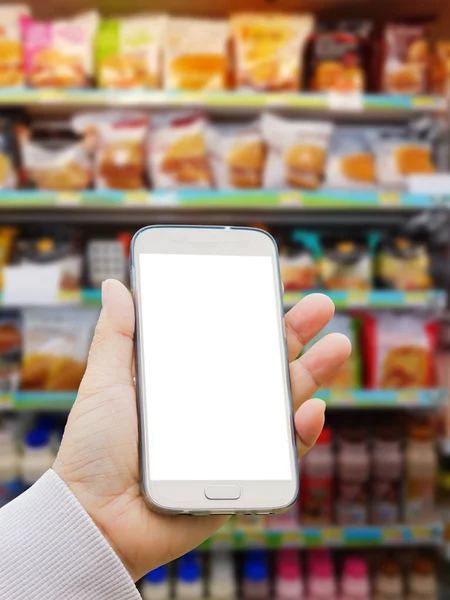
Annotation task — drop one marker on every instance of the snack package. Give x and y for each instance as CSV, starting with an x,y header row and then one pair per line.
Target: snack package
x,y
338,57
44,247
299,260
60,53
196,55
351,164
404,263
10,350
53,160
129,52
119,141
8,154
396,159
268,50
178,152
237,155
347,264
349,376
399,351
11,49
7,239
405,68
440,69
55,347
297,152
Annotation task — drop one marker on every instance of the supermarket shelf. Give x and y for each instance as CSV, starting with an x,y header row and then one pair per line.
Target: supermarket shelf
x,y
374,299
224,101
220,199
357,399
377,299
396,399
333,536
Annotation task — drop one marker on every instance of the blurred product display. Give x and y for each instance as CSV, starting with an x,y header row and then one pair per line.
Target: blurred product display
x,y
327,128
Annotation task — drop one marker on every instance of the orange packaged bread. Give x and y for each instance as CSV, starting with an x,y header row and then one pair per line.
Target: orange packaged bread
x,y
129,52
237,156
268,50
60,53
351,164
440,70
399,351
405,68
11,49
196,55
297,152
397,160
338,57
178,152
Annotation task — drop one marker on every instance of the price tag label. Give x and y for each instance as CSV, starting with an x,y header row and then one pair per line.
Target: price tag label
x,y
346,101
68,199
389,199
332,536
290,199
137,198
358,298
392,535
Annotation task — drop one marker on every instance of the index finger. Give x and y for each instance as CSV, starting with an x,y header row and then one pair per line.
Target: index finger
x,y
305,320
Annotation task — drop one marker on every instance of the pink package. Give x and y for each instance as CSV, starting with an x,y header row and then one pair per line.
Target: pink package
x,y
59,53
355,580
288,581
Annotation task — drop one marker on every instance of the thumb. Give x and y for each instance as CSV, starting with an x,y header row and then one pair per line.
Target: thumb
x,y
111,354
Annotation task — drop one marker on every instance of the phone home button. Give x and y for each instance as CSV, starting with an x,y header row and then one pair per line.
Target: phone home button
x,y
223,492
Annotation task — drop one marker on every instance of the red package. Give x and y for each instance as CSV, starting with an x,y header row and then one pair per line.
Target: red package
x,y
405,68
399,351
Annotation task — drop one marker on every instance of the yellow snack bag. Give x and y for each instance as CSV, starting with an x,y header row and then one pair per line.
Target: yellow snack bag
x,y
268,50
196,55
11,49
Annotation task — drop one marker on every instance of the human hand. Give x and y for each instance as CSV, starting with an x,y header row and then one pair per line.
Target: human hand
x,y
98,458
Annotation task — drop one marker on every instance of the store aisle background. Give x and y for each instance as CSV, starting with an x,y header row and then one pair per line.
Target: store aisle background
x,y
328,126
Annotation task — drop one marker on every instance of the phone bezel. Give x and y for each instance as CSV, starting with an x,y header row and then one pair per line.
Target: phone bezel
x,y
257,497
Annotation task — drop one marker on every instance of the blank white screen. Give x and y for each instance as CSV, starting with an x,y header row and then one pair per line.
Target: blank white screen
x,y
214,385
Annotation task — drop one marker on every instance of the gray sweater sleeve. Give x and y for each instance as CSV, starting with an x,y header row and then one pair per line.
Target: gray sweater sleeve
x,y
50,549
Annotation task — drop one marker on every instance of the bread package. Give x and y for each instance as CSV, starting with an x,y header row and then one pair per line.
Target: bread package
x,y
118,140
178,153
237,155
297,152
269,49
351,163
405,68
11,46
60,53
196,55
129,52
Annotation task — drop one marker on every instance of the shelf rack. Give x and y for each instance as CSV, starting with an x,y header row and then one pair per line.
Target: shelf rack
x,y
332,536
335,399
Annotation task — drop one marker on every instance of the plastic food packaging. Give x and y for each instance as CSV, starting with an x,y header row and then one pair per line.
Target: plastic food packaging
x,y
119,141
351,164
196,55
399,351
268,50
42,248
54,162
397,159
297,152
56,345
404,264
10,350
129,52
11,49
7,239
237,155
347,264
299,260
106,259
8,154
60,53
405,68
178,152
440,70
338,57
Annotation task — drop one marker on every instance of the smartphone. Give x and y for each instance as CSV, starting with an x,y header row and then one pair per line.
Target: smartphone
x,y
216,420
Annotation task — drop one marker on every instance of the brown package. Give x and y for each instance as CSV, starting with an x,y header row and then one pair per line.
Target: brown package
x,y
405,68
